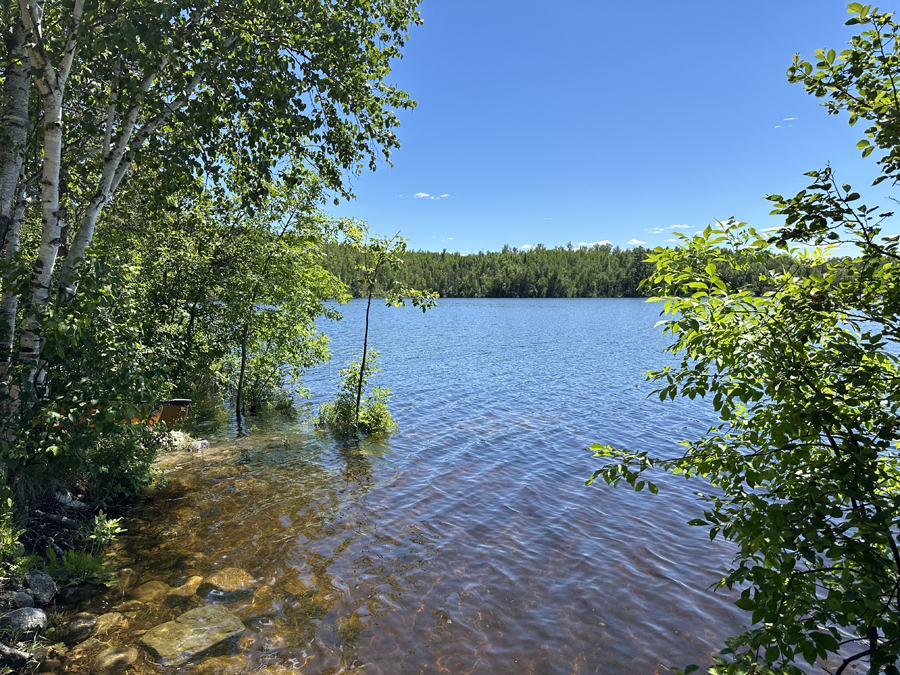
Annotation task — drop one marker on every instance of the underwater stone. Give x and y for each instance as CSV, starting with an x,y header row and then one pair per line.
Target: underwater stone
x,y
187,588
176,642
151,591
231,579
114,661
80,628
109,622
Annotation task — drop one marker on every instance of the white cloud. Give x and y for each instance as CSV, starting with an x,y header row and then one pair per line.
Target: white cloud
x,y
594,243
773,229
788,119
548,218
449,238
655,230
675,227
777,126
635,242
673,240
442,196
421,195
527,247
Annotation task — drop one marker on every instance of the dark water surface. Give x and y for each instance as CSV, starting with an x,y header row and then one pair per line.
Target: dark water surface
x,y
467,542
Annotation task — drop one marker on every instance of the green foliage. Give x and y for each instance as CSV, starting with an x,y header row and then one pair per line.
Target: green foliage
x,y
236,290
12,551
381,261
89,564
862,81
340,415
102,532
598,271
99,373
803,463
75,568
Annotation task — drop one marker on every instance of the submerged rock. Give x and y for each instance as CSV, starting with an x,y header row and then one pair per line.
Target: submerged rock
x,y
176,642
223,665
231,579
80,628
25,620
151,591
114,661
109,622
198,446
42,587
187,588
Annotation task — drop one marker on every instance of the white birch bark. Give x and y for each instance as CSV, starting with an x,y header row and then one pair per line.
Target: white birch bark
x,y
51,85
118,160
113,156
9,301
14,123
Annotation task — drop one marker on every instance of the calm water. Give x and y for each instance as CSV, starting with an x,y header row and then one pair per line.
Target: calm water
x,y
467,542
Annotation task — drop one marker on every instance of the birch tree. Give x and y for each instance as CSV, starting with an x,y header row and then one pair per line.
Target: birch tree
x,y
186,89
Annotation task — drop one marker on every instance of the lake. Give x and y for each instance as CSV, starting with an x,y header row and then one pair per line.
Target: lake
x,y
466,542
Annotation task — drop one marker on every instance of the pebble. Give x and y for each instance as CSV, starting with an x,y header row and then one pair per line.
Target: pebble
x,y
79,628
114,661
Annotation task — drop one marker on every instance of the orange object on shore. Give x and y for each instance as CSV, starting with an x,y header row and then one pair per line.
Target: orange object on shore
x,y
173,412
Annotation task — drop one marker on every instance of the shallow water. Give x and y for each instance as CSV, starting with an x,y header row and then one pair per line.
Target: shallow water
x,y
467,542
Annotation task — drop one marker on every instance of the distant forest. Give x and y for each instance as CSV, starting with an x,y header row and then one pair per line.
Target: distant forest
x,y
560,272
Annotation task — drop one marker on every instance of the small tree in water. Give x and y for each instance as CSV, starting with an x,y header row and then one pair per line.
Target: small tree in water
x,y
346,414
381,260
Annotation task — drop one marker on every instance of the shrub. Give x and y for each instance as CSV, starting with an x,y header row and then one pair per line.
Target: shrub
x,y
340,415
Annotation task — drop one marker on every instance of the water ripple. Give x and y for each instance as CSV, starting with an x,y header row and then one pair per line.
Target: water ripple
x,y
467,542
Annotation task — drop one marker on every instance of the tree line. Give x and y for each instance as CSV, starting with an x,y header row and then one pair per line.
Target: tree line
x,y
600,271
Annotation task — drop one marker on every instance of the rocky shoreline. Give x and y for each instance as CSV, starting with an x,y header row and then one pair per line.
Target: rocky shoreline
x,y
89,642
43,628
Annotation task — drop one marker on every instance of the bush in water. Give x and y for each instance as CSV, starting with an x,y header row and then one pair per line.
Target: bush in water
x,y
340,414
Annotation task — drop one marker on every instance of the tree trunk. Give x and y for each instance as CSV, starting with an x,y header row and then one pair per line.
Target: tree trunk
x,y
362,366
116,161
8,305
239,399
51,83
14,123
9,301
42,272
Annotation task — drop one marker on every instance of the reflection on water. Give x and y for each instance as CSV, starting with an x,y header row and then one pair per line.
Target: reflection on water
x,y
467,542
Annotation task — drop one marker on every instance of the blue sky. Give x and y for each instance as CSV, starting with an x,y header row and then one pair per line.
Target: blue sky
x,y
588,121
